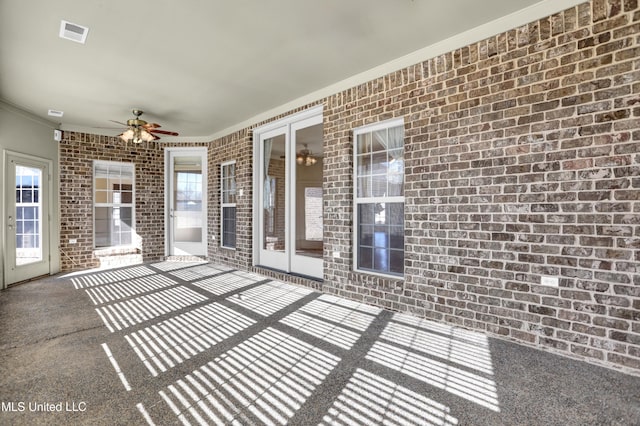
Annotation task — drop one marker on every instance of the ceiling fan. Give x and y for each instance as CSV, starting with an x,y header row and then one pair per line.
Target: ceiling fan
x,y
139,131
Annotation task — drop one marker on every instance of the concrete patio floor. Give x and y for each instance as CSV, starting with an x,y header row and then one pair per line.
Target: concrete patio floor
x,y
185,343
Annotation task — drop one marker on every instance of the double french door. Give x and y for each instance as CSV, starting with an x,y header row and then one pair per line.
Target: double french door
x,y
289,231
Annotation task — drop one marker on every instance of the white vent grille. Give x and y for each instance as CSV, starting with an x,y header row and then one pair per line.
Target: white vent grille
x,y
55,113
73,32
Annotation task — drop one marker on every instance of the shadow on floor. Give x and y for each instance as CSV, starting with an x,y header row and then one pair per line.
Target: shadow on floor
x,y
196,343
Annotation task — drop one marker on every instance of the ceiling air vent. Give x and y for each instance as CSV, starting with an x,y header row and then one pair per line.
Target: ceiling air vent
x,y
55,113
73,32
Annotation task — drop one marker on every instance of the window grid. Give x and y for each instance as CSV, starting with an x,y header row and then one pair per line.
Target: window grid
x,y
28,207
379,198
228,204
114,206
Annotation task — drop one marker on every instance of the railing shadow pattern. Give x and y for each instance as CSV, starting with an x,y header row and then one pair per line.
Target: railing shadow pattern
x,y
282,353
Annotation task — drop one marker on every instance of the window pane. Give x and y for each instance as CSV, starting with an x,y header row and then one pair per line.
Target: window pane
x,y
396,240
396,263
366,215
378,185
365,258
381,260
379,140
229,227
379,168
113,223
364,143
381,237
365,235
364,165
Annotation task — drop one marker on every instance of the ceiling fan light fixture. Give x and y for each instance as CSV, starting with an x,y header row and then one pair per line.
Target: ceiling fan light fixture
x,y
139,130
137,135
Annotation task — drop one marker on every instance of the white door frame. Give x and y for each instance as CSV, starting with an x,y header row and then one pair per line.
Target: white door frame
x,y
15,273
169,154
278,260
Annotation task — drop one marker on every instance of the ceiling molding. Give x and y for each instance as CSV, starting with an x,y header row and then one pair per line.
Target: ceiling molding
x,y
27,114
514,20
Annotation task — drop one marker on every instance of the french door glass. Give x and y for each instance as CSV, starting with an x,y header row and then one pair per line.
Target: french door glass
x,y
289,174
274,197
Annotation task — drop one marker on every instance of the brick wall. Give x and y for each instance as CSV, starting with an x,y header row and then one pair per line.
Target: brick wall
x,y
77,151
522,162
238,147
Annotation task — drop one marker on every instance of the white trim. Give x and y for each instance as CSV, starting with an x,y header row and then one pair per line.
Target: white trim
x,y
35,161
223,204
168,168
285,127
386,124
512,21
132,204
290,119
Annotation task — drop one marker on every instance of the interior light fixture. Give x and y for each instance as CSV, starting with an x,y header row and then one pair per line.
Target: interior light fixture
x,y
305,157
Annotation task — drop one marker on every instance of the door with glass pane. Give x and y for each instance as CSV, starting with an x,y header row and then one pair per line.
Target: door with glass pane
x,y
186,201
289,230
273,232
306,197
27,190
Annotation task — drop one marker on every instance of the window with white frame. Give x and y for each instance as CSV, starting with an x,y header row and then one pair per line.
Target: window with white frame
x,y
113,206
228,197
379,198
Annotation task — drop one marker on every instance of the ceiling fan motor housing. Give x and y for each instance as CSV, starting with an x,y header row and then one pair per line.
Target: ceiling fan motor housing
x,y
136,122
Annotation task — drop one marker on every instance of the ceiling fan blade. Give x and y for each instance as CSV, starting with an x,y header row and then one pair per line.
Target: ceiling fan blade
x,y
117,122
151,126
163,132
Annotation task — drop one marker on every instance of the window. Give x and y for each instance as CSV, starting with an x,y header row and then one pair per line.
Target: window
x,y
113,204
379,198
228,197
28,207
189,191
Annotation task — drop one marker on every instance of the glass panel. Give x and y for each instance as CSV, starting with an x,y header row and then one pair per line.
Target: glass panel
x,y
113,214
28,223
364,143
364,187
381,237
308,194
102,228
229,184
379,140
274,194
313,214
229,227
187,209
396,261
379,185
395,171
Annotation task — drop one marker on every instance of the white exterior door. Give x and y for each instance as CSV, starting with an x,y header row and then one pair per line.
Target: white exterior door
x,y
186,201
288,234
28,199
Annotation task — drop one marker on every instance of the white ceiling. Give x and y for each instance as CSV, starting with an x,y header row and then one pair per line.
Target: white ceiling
x,y
206,67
